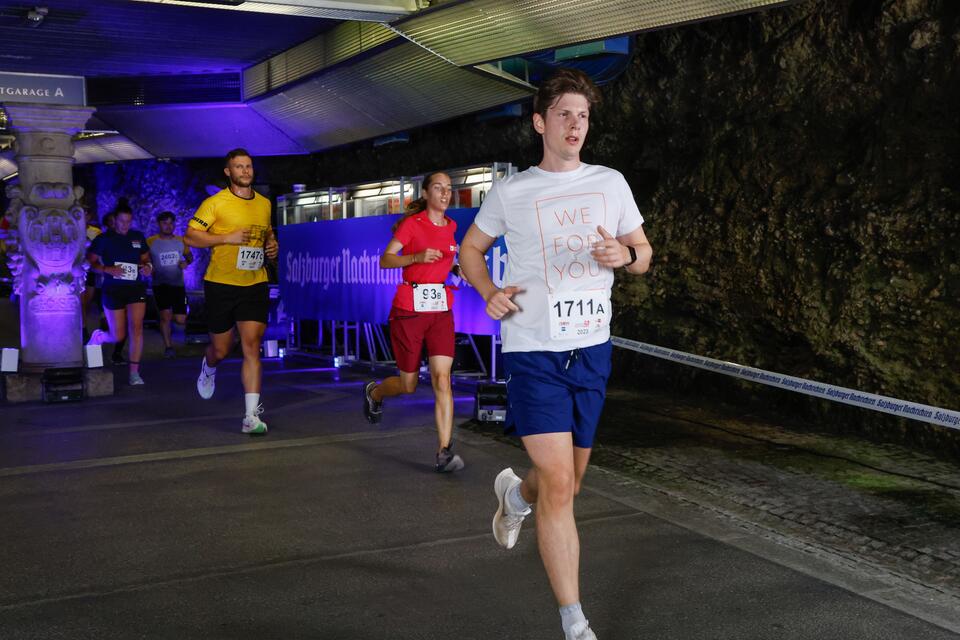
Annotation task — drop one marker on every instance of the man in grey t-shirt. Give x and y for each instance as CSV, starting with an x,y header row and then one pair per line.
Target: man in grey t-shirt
x,y
170,257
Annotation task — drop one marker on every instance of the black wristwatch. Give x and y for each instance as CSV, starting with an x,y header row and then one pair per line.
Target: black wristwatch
x,y
633,256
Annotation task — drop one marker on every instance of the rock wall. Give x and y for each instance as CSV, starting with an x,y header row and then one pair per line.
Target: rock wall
x,y
151,187
802,173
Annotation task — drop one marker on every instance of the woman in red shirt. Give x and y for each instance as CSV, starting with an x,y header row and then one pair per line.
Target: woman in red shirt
x,y
422,310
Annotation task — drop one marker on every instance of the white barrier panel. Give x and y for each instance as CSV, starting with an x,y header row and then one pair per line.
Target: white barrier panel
x,y
271,349
9,360
912,410
93,355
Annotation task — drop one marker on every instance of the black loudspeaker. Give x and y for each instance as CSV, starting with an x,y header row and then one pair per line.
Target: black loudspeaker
x,y
62,384
490,403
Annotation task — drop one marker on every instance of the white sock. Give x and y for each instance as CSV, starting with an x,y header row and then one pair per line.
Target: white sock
x,y
515,501
207,369
252,400
570,615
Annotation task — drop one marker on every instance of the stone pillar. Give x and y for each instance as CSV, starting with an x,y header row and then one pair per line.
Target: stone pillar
x,y
49,234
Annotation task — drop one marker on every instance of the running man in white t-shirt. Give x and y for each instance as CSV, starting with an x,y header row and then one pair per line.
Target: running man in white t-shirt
x,y
567,226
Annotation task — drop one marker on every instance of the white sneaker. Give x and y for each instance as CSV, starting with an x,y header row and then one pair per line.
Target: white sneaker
x,y
135,379
506,525
206,383
581,631
253,425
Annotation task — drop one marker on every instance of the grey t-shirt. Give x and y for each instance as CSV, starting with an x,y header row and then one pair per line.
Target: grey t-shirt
x,y
166,255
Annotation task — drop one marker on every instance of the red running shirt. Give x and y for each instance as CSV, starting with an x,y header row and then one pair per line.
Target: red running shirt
x,y
417,233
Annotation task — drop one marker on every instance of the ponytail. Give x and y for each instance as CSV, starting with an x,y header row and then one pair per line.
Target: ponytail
x,y
411,209
418,205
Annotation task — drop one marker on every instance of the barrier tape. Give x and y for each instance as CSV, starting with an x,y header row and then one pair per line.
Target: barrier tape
x,y
912,410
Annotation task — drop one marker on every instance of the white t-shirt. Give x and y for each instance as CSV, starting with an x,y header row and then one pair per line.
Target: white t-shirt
x,y
549,223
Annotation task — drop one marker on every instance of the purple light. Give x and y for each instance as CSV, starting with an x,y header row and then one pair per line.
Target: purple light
x,y
199,130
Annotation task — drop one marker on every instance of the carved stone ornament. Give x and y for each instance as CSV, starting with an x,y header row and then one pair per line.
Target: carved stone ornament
x,y
46,244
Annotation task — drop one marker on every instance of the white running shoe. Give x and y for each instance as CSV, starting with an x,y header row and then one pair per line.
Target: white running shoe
x,y
206,383
506,525
135,379
581,631
253,425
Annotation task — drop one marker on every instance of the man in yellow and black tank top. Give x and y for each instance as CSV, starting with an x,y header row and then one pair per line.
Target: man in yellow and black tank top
x,y
235,225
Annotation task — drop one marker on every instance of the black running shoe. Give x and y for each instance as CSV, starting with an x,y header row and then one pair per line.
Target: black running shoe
x,y
448,461
372,410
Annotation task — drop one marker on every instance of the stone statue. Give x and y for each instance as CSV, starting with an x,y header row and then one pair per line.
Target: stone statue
x,y
45,246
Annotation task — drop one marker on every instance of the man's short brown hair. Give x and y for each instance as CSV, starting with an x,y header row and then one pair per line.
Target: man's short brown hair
x,y
236,153
563,81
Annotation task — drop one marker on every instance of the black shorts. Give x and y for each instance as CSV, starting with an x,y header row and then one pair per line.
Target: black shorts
x,y
168,296
119,296
227,304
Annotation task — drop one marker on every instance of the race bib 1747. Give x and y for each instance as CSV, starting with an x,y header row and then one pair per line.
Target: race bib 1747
x,y
576,314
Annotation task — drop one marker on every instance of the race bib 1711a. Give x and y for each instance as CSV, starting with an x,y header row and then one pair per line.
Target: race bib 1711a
x,y
577,314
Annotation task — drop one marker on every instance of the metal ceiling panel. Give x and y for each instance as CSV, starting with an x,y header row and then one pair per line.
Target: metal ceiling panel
x,y
180,88
107,148
366,10
192,131
400,88
118,37
476,31
7,166
338,45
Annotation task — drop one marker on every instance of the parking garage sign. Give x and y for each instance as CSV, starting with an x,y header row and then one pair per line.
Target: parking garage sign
x,y
41,88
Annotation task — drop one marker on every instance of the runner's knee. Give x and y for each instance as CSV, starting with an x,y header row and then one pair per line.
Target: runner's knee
x,y
221,351
440,382
251,348
556,486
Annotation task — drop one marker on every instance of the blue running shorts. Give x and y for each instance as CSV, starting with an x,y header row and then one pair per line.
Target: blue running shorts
x,y
562,391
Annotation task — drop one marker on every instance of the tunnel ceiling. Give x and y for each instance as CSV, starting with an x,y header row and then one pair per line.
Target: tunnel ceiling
x,y
176,78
